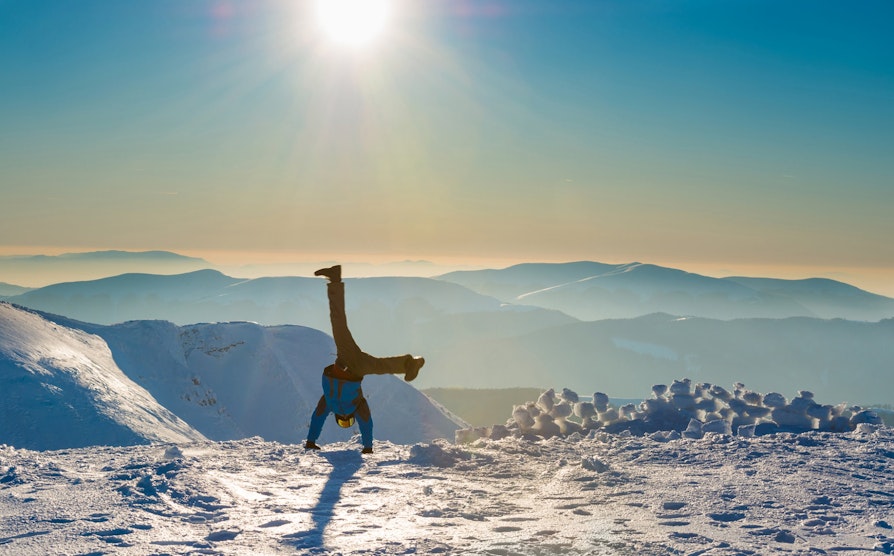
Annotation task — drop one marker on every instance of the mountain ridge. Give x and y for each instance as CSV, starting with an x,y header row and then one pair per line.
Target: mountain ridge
x,y
472,339
594,291
43,270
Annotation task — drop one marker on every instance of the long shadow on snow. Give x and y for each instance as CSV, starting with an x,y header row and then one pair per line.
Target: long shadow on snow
x,y
345,464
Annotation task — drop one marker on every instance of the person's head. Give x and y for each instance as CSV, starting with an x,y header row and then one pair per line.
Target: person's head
x,y
345,421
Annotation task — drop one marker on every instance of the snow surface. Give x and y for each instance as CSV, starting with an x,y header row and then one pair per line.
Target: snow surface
x,y
811,493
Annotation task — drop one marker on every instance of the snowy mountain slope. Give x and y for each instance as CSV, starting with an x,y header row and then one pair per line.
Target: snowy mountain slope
x,y
235,380
843,360
60,387
635,289
814,493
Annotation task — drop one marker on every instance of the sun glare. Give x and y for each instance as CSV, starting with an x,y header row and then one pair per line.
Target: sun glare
x,y
353,22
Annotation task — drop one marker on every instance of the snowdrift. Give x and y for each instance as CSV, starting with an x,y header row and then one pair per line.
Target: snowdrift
x,y
684,410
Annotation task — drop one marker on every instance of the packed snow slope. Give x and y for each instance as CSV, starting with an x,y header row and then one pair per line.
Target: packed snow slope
x,y
227,380
60,387
603,494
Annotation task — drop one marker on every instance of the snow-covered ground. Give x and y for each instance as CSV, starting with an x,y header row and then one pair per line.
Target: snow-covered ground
x,y
813,493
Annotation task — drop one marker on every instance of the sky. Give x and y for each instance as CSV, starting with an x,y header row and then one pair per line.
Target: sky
x,y
743,136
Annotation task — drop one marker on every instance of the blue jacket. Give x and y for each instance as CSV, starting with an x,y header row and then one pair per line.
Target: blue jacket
x,y
341,390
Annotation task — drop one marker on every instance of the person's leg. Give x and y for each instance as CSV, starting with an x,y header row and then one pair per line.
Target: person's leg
x,y
317,419
365,423
346,348
348,353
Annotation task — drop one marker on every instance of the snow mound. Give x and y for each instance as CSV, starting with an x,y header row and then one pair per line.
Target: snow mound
x,y
684,410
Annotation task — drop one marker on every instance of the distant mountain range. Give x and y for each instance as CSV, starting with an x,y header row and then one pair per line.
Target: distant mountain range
x,y
65,383
593,291
580,325
583,290
41,270
7,290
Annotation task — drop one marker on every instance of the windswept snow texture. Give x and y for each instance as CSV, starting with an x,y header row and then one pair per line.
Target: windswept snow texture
x,y
227,380
60,387
683,410
604,494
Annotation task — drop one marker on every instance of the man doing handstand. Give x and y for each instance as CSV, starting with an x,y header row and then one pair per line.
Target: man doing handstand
x,y
342,394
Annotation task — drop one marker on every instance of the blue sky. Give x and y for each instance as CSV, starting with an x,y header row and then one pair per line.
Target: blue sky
x,y
702,134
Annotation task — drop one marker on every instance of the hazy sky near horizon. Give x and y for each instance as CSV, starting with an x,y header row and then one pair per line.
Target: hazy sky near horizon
x,y
749,132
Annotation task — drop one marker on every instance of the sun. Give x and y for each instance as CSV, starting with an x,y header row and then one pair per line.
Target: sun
x,y
353,22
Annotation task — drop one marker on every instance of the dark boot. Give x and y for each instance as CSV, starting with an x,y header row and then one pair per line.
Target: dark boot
x,y
311,445
366,450
333,273
413,365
